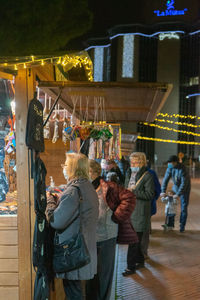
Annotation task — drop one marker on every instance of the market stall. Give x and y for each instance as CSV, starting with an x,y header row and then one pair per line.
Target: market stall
x,y
88,111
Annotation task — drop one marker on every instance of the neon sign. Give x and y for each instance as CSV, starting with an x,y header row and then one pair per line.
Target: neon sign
x,y
170,11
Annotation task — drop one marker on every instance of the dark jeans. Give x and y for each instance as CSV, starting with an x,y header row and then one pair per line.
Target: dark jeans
x,y
184,205
73,289
99,288
135,254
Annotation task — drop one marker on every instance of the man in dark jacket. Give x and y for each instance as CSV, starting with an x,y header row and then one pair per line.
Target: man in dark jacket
x,y
181,187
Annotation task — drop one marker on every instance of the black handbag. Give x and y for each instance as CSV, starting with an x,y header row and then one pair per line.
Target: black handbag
x,y
72,254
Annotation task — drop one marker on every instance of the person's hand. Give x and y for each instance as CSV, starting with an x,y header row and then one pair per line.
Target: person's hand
x,y
163,195
175,197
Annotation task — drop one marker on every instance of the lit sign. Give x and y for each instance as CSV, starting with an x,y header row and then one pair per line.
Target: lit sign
x,y
170,11
168,35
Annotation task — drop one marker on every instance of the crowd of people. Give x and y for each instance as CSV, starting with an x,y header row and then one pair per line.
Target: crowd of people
x,y
118,201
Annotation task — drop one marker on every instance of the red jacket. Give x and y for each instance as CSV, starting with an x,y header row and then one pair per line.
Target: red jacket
x,y
122,202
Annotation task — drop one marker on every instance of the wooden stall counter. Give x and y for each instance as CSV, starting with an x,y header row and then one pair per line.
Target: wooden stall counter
x,y
9,258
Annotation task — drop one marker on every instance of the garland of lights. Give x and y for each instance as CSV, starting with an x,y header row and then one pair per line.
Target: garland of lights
x,y
171,129
178,116
177,123
167,141
72,60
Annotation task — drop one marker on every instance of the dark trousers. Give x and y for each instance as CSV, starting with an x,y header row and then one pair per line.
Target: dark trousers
x,y
135,254
99,288
145,242
170,220
73,289
184,205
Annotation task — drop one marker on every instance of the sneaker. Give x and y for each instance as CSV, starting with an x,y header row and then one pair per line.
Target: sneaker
x,y
128,272
182,229
139,265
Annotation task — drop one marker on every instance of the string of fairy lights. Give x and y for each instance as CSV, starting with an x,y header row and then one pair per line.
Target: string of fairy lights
x,y
64,60
167,141
177,116
164,120
171,129
177,123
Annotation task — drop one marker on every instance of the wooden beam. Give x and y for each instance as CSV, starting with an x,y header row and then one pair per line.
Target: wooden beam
x,y
6,75
116,109
24,92
82,84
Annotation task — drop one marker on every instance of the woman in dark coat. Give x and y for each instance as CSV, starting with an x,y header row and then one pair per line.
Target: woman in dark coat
x,y
62,213
141,183
116,205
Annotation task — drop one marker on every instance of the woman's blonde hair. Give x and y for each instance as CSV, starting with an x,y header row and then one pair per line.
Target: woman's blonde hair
x,y
141,156
95,166
77,165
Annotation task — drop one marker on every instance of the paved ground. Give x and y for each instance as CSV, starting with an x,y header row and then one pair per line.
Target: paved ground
x,y
173,270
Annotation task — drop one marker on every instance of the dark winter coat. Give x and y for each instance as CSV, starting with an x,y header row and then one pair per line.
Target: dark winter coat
x,y
144,192
122,202
180,179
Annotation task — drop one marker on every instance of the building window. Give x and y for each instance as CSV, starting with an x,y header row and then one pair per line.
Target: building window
x,y
128,56
98,63
194,81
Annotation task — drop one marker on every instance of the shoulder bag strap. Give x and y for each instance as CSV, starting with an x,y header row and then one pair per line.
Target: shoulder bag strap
x,y
80,199
141,178
80,202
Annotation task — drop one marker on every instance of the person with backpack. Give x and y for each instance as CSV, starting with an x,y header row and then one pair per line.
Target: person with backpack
x,y
140,181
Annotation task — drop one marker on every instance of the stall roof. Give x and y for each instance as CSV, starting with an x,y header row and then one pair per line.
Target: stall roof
x,y
124,101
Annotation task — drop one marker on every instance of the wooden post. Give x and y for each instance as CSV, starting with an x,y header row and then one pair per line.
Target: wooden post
x,y
24,93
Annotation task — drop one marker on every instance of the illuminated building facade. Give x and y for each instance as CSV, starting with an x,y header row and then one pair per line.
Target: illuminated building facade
x,y
164,46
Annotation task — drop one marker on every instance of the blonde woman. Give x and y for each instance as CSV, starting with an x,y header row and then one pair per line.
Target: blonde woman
x,y
62,213
141,183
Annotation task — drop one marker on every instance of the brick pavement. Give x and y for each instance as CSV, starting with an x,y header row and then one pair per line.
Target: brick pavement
x,y
173,270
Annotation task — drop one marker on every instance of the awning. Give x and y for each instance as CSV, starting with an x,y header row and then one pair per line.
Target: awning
x,y
123,101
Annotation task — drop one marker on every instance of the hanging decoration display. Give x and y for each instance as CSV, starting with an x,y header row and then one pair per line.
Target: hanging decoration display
x,y
104,140
10,153
167,141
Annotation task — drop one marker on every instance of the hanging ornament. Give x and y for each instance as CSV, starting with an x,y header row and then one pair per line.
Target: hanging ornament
x,y
45,116
56,126
66,124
